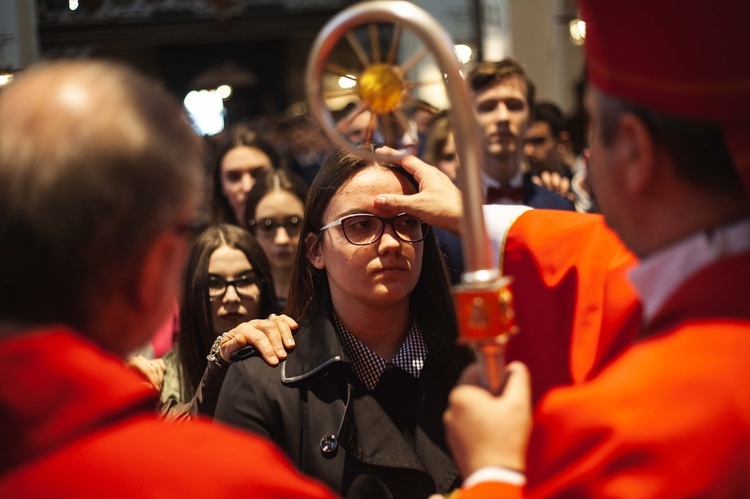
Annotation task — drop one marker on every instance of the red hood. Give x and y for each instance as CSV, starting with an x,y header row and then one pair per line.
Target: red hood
x,y
56,386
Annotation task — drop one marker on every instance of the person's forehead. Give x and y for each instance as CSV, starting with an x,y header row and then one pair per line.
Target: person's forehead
x,y
539,129
359,192
279,201
511,86
227,258
245,157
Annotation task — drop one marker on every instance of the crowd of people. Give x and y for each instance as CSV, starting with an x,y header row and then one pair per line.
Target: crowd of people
x,y
305,292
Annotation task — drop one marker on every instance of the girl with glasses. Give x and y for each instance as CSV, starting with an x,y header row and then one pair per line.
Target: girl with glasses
x,y
227,282
358,402
274,212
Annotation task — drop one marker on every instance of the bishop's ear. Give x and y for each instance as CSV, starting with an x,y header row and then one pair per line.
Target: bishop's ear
x,y
157,278
637,153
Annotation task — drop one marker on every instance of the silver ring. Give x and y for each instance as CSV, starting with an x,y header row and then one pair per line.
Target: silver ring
x,y
272,316
149,364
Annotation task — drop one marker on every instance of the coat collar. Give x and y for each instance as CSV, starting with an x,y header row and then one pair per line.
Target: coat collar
x,y
317,347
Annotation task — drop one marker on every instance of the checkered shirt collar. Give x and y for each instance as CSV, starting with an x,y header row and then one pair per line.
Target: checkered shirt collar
x,y
369,366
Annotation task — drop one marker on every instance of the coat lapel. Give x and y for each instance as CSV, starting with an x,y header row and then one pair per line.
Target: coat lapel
x,y
338,404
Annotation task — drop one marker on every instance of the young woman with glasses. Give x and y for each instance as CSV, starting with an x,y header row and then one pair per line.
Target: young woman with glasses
x,y
358,402
227,282
274,212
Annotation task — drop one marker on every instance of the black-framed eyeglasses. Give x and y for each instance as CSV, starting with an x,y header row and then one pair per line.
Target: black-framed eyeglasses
x,y
266,227
363,229
247,286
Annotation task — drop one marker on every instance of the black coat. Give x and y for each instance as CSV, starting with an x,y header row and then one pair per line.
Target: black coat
x,y
315,394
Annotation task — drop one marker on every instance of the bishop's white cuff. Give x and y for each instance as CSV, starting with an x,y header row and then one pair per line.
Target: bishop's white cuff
x,y
495,474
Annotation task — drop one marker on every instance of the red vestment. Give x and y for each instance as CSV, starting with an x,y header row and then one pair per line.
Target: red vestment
x,y
75,422
573,302
667,415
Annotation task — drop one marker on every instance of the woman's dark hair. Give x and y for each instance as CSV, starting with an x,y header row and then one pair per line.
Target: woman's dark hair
x,y
238,136
440,130
430,302
268,181
196,319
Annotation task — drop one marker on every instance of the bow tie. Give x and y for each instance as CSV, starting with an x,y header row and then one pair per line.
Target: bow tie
x,y
505,194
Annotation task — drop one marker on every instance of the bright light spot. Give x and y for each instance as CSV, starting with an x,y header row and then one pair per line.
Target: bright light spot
x,y
224,91
207,110
5,79
464,53
577,29
347,81
297,109
73,96
73,4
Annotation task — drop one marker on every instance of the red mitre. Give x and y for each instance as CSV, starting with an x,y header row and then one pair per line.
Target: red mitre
x,y
687,58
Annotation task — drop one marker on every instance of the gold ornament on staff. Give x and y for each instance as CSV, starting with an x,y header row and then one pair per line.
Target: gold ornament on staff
x,y
483,299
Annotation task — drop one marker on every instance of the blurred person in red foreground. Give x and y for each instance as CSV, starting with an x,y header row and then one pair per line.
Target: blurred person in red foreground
x,y
100,177
657,405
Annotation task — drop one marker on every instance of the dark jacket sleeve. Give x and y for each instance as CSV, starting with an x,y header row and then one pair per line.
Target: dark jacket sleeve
x,y
203,403
241,402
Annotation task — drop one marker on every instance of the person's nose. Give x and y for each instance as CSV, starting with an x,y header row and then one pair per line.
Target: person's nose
x,y
247,182
501,112
231,296
389,242
281,236
528,149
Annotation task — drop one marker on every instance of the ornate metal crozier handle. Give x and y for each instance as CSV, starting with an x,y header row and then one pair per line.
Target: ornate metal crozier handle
x,y
483,299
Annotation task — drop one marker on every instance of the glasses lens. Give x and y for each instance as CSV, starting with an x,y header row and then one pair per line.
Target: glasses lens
x,y
216,286
362,229
266,227
293,225
247,285
409,228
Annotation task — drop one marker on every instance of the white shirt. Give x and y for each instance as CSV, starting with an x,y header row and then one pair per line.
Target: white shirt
x,y
657,276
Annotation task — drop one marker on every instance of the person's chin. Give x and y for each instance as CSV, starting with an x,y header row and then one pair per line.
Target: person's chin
x,y
230,321
395,285
284,259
